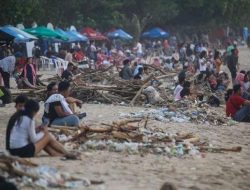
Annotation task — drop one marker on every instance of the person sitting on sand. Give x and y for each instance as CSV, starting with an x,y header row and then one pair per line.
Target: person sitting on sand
x,y
237,107
182,90
126,72
246,87
23,140
213,82
186,90
52,88
20,102
57,108
67,74
223,81
29,73
139,75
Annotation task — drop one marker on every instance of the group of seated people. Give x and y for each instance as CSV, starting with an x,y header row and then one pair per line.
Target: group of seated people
x,y
129,72
57,109
25,139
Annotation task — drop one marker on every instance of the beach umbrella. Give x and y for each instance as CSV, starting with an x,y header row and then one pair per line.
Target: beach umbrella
x,y
71,38
155,33
19,35
119,34
92,34
79,37
43,32
5,37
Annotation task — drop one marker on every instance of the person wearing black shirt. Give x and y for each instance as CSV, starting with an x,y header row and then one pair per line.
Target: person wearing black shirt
x,y
186,89
67,74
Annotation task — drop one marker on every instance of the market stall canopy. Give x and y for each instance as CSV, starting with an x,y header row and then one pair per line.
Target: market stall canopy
x,y
155,33
119,34
18,35
92,34
79,37
43,32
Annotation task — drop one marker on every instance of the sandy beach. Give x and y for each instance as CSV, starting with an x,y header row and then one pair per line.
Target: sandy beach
x,y
122,171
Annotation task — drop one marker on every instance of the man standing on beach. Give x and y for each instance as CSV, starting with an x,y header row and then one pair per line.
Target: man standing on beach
x,y
232,64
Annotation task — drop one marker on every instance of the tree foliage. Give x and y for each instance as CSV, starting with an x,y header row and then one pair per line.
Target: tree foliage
x,y
134,15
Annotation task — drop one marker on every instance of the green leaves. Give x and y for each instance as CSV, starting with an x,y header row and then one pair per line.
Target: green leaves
x,y
134,15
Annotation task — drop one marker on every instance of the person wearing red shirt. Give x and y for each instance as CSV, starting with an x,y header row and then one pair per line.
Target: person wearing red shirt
x,y
237,107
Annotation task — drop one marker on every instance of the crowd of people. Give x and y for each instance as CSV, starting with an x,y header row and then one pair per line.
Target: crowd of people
x,y
189,60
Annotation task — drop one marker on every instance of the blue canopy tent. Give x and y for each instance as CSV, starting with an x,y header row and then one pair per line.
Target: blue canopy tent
x,y
77,36
155,33
5,37
119,34
71,38
19,35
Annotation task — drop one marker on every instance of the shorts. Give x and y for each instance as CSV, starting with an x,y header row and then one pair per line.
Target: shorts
x,y
26,151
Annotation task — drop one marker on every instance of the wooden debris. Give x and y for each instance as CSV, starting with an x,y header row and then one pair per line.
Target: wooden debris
x,y
218,150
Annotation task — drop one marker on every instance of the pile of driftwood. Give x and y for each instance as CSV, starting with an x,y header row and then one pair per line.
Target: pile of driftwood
x,y
104,86
134,131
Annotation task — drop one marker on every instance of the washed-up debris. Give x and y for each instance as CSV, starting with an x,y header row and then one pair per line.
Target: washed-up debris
x,y
25,173
105,86
183,112
161,114
134,136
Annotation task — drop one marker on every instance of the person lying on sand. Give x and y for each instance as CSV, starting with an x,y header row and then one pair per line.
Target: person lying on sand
x,y
57,108
23,140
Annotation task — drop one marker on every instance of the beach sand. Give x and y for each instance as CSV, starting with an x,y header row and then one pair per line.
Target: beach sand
x,y
121,171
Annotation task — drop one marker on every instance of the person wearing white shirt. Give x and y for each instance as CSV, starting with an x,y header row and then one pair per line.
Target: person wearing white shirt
x,y
25,140
139,49
202,64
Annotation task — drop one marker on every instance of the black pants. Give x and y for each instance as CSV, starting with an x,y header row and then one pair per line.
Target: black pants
x,y
6,78
6,185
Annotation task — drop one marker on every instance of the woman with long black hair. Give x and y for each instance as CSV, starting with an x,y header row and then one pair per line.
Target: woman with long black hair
x,y
23,140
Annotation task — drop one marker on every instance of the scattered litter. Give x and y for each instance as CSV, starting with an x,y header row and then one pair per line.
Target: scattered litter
x,y
25,173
